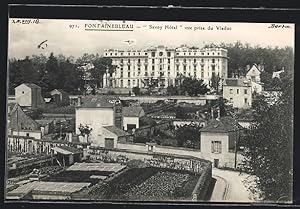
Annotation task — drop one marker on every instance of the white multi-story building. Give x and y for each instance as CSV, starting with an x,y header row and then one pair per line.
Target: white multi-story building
x,y
164,65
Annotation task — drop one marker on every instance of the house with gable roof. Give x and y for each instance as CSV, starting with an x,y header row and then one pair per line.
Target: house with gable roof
x,y
131,117
97,111
29,95
254,72
219,141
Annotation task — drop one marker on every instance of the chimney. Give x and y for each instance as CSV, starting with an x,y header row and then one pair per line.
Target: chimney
x,y
79,101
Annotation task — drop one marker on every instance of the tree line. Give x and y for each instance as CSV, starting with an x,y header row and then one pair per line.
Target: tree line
x,y
58,72
69,74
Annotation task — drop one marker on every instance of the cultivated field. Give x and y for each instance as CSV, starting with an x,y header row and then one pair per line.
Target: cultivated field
x,y
146,184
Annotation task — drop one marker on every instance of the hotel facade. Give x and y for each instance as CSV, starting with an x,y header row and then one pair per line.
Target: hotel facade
x,y
164,66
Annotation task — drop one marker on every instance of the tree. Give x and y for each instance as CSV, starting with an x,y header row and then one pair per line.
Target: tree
x,y
85,131
188,136
136,90
215,82
53,77
194,86
172,90
268,145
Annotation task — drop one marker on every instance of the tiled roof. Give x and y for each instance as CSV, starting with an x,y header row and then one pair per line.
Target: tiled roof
x,y
131,111
59,90
117,131
32,85
43,121
67,150
222,125
237,82
99,101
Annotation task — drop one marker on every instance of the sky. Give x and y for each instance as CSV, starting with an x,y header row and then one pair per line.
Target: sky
x,y
62,39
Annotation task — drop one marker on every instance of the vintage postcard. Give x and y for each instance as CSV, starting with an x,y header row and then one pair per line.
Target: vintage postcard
x,y
149,111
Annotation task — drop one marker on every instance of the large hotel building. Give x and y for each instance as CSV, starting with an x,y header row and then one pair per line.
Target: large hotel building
x,y
139,67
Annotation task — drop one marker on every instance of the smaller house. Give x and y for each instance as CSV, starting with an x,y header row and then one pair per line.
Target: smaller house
x,y
277,74
29,95
21,124
238,91
131,117
254,72
60,97
219,141
67,155
46,126
112,135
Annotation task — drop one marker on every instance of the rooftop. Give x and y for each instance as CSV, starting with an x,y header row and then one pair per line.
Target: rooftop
x,y
30,85
67,150
133,111
117,131
237,82
222,125
59,90
95,101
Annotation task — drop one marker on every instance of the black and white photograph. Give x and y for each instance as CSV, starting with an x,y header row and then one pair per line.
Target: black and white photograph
x,y
149,111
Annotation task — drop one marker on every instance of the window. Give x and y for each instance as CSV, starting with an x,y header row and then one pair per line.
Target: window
x,y
160,54
195,60
153,54
128,60
213,60
231,91
202,60
160,60
177,60
246,101
128,68
121,61
152,61
128,74
169,54
184,60
216,147
245,91
152,67
128,82
231,100
237,91
177,67
169,61
121,83
139,61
